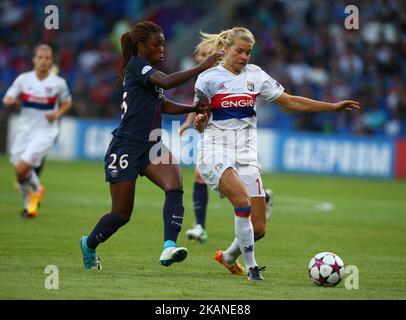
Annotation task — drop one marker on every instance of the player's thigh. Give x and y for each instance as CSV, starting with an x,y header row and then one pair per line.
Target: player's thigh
x,y
37,149
212,161
251,177
164,171
20,143
231,186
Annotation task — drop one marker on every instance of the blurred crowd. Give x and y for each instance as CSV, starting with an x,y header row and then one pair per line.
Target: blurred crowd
x,y
302,43
306,47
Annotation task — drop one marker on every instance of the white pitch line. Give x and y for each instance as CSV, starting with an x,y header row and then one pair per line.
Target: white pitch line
x,y
282,203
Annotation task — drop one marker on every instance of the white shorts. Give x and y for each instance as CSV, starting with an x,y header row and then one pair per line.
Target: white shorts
x,y
223,149
31,148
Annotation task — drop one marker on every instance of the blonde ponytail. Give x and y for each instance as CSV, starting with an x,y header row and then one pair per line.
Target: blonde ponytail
x,y
217,41
54,69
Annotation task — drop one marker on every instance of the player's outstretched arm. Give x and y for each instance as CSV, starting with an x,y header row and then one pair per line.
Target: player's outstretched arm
x,y
298,103
171,107
169,81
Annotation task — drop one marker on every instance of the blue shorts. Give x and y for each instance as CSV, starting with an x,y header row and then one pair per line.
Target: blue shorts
x,y
126,160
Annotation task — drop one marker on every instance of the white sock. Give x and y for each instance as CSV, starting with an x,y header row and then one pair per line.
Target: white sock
x,y
244,233
232,252
24,189
33,181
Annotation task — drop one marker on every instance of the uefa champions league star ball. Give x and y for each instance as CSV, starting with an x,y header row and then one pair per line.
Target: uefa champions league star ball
x,y
326,269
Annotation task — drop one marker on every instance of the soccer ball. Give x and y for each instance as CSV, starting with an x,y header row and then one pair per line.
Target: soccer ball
x,y
326,269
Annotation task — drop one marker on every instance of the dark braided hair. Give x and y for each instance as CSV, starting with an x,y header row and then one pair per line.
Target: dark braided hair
x,y
129,40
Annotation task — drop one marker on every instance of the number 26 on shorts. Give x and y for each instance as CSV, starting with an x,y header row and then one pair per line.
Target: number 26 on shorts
x,y
122,161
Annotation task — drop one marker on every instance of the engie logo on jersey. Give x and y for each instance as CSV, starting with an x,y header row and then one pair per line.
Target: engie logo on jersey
x,y
234,100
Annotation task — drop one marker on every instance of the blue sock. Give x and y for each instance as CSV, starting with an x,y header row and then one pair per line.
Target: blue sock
x,y
107,226
200,199
169,243
173,216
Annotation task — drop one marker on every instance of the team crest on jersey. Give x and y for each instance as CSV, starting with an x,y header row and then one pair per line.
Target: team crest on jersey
x,y
218,166
250,85
48,90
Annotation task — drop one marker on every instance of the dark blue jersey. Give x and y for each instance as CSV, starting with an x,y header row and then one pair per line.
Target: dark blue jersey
x,y
142,103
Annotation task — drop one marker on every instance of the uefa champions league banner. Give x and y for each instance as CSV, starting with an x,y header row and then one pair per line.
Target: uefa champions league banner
x,y
282,151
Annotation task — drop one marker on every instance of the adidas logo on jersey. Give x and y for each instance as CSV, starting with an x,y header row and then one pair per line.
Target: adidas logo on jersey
x,y
222,87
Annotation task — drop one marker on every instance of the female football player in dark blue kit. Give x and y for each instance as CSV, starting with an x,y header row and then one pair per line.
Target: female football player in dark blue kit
x,y
136,148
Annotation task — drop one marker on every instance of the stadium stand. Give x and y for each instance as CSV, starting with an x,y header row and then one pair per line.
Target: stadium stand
x,y
303,44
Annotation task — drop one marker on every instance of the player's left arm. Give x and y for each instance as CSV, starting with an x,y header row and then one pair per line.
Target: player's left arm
x,y
186,124
171,107
66,103
55,115
303,104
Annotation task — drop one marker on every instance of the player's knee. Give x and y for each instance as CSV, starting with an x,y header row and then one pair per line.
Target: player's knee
x,y
124,212
174,184
21,175
242,201
125,216
198,178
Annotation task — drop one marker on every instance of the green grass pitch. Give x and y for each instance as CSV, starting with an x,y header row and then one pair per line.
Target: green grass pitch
x,y
362,220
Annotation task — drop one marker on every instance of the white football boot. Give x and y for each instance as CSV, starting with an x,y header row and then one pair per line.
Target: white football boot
x,y
269,202
197,233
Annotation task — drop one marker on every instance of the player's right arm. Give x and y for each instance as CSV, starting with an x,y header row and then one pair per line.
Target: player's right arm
x,y
203,92
11,97
9,101
168,81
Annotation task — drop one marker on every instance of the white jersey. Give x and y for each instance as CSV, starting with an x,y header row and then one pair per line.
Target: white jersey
x,y
38,98
233,97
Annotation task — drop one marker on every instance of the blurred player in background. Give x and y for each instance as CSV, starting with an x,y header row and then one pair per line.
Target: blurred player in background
x,y
200,193
230,167
44,97
131,151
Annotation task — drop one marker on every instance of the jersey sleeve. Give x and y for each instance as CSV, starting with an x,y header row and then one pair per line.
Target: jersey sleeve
x,y
270,89
201,89
64,94
16,88
141,70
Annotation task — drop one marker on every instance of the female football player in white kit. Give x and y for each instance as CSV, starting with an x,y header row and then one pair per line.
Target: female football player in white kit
x,y
227,153
200,194
44,97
